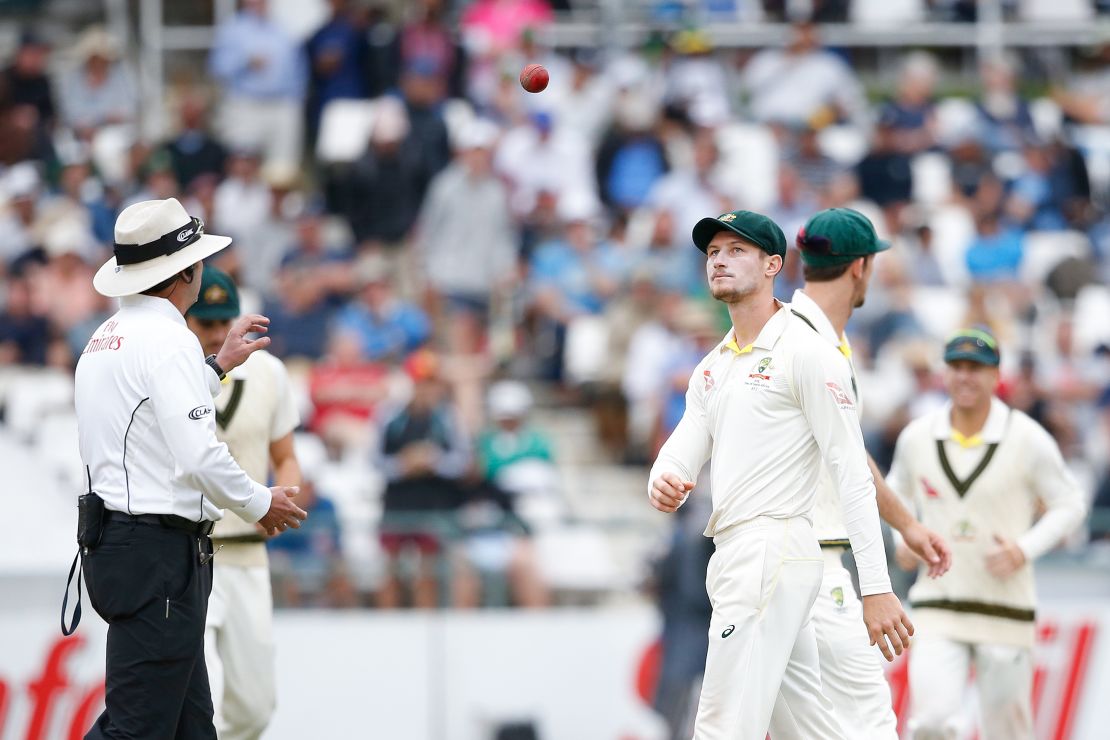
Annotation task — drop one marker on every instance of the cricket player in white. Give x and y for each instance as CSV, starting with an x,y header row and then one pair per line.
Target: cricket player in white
x,y
838,248
255,416
769,404
978,471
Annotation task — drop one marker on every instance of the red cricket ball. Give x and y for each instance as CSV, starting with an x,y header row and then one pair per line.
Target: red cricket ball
x,y
534,78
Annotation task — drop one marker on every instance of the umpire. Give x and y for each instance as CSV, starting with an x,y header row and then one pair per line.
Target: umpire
x,y
144,400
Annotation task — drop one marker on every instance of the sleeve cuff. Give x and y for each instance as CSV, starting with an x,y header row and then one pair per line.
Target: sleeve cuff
x,y
876,588
214,386
257,507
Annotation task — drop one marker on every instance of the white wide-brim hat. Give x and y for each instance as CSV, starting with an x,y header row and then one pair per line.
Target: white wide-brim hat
x,y
155,240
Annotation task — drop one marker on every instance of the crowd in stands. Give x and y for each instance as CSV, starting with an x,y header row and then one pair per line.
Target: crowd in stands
x,y
473,250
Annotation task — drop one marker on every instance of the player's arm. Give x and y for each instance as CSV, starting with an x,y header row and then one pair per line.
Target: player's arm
x,y
899,482
287,470
1065,508
819,384
683,454
922,541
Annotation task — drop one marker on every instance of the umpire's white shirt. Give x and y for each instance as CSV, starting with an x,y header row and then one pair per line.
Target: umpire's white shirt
x,y
771,414
145,420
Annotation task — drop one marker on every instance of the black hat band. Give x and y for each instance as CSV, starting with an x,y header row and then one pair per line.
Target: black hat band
x,y
175,241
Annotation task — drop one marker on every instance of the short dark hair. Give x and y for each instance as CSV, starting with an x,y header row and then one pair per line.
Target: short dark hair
x,y
829,273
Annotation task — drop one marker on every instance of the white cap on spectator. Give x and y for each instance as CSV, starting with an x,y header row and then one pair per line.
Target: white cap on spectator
x,y
480,133
21,181
577,205
67,236
509,399
96,42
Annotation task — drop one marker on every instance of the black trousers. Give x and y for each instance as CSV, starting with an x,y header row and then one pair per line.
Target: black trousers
x,y
148,584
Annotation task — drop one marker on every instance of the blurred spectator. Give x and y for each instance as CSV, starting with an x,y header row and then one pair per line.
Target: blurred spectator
x,y
884,173
1100,509
346,390
62,288
915,246
802,85
381,193
25,333
26,102
99,91
631,157
689,193
1033,202
243,204
307,565
912,113
816,170
336,56
194,151
313,283
696,81
263,73
423,93
584,105
510,439
536,157
497,25
428,42
570,277
1004,117
81,193
389,328
21,185
466,239
670,259
994,255
424,454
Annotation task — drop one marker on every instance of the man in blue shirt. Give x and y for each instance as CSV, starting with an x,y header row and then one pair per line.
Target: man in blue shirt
x,y
263,73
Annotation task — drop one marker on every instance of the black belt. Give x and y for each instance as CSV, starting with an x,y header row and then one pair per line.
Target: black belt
x,y
239,539
171,521
835,544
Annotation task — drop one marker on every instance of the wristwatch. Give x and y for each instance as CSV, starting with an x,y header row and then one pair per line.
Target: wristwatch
x,y
210,360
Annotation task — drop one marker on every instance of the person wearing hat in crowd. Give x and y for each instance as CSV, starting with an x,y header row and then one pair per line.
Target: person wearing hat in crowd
x,y
981,472
838,248
99,91
147,435
773,399
255,416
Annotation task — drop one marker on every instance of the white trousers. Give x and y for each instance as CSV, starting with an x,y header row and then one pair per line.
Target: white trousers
x,y
852,673
239,650
939,671
762,582
276,127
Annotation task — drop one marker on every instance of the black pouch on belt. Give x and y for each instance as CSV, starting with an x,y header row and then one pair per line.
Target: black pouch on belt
x,y
90,527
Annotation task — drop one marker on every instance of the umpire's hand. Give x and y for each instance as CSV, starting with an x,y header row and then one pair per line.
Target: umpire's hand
x,y
237,348
283,512
885,620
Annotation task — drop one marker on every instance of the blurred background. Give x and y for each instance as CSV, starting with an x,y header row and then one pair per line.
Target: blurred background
x,y
427,237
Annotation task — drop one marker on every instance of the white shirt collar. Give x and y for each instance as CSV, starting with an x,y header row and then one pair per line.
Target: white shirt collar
x,y
808,307
992,430
768,335
158,305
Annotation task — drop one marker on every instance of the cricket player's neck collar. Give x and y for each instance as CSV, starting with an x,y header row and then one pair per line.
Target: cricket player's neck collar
x,y
993,429
768,335
153,303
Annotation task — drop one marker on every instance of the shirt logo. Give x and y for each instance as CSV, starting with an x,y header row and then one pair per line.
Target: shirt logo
x,y
930,492
728,630
184,235
200,412
709,382
838,394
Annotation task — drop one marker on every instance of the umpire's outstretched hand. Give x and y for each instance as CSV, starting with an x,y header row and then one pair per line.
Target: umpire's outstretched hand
x,y
237,348
283,512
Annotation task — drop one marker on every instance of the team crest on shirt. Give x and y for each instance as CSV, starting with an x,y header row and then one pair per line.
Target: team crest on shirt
x,y
842,399
963,531
760,378
837,594
709,382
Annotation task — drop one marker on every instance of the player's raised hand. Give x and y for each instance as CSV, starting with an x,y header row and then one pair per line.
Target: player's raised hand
x,y
886,621
668,491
